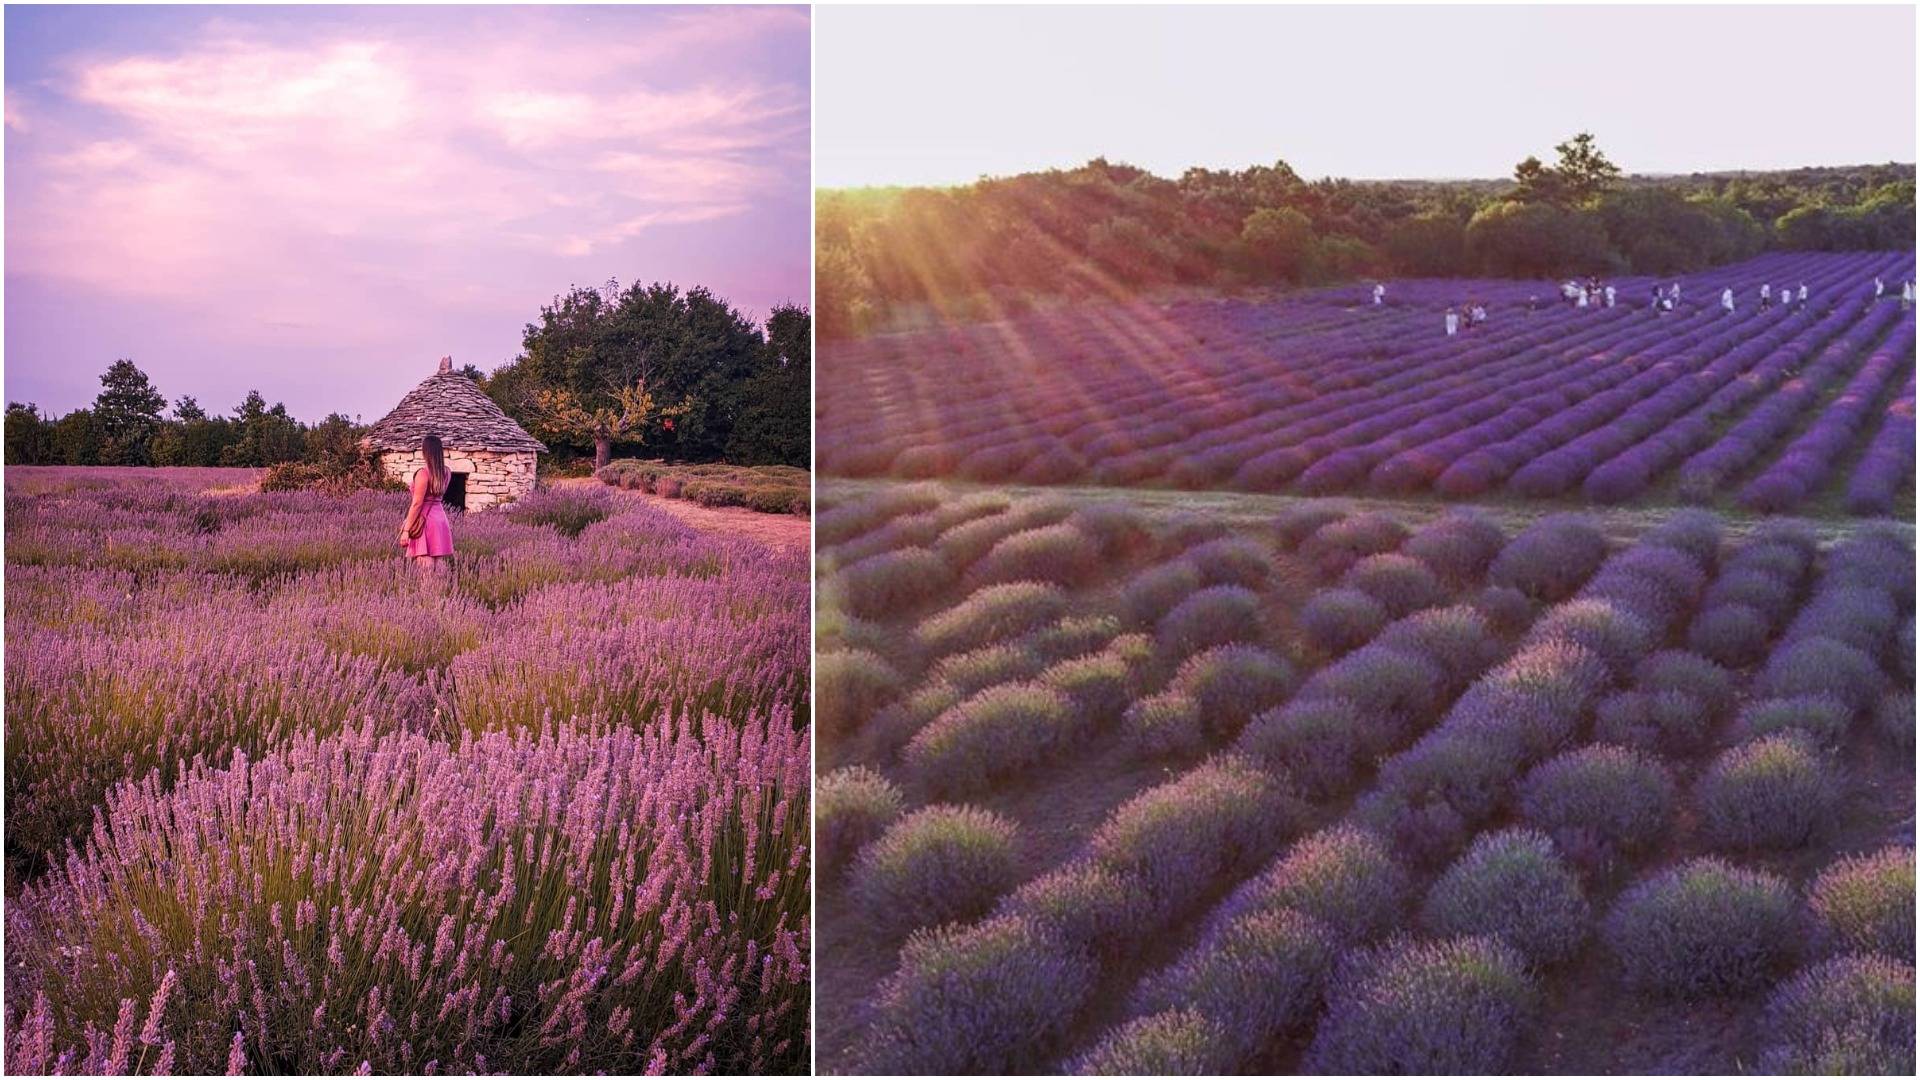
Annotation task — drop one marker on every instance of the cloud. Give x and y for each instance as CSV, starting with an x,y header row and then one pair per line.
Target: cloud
x,y
237,163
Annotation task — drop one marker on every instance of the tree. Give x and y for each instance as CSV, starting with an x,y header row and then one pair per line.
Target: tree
x,y
1516,239
1580,176
266,436
773,422
29,435
76,439
1429,245
622,413
127,414
1277,242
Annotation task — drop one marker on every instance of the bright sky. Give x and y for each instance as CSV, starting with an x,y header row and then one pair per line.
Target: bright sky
x,y
946,95
320,202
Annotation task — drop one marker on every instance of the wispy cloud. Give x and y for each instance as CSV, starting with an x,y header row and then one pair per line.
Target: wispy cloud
x,y
321,172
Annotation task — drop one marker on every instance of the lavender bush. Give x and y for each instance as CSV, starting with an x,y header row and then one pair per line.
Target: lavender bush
x,y
935,865
1848,1016
1455,1006
1864,903
1703,928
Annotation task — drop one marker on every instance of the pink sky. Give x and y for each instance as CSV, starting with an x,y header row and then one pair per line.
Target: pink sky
x,y
318,202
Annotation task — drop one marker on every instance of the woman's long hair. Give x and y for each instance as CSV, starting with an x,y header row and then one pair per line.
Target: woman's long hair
x,y
436,462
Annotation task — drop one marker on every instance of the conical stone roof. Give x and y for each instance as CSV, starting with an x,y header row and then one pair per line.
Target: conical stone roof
x,y
452,406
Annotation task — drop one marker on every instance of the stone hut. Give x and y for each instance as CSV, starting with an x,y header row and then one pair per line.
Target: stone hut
x,y
491,457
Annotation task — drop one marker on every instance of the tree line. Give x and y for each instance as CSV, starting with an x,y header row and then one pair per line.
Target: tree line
x,y
1106,229
645,371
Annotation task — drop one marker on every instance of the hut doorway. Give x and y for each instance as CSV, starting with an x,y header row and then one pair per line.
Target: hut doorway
x,y
456,494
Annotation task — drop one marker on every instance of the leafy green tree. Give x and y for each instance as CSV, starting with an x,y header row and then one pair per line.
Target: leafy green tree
x,y
266,436
773,422
76,439
1429,245
126,413
29,435
1518,239
1581,174
1277,242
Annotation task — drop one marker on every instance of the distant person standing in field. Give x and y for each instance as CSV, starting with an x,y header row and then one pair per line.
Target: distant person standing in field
x,y
1803,294
1726,298
1766,296
1379,294
1610,295
1479,313
1453,322
427,534
1906,295
1580,296
1879,287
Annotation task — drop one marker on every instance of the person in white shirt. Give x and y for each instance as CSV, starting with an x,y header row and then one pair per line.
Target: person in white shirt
x,y
1803,294
1766,296
1879,287
1675,292
1906,294
1610,295
1379,294
1479,314
1726,298
1580,297
1453,322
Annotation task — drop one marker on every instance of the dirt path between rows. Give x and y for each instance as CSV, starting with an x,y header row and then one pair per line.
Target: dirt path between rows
x,y
774,530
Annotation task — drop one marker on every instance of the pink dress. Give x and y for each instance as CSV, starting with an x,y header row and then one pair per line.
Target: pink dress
x,y
437,537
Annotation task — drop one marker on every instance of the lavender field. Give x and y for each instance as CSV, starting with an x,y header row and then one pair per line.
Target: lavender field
x,y
274,807
1804,409
1149,783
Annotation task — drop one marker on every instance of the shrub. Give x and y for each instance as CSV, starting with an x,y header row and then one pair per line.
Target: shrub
x,y
1533,703
1417,1007
1763,591
1343,876
1507,609
566,510
1694,533
1617,637
1231,561
1316,741
1893,718
1099,685
1054,553
1294,524
1219,615
1550,559
1117,528
977,669
1259,977
1696,676
1000,731
852,807
1668,721
990,998
1085,906
1072,637
1864,903
1731,634
1393,690
1848,1016
1179,1042
1769,793
1164,725
1703,928
1821,666
1230,683
1401,584
1600,799
850,686
891,583
1457,638
937,864
1180,837
1820,719
1457,546
992,614
1511,885
1466,772
1862,616
1155,591
1339,620
1339,544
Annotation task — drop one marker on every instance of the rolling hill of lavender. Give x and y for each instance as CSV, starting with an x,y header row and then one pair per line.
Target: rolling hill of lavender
x,y
273,806
1804,409
1178,783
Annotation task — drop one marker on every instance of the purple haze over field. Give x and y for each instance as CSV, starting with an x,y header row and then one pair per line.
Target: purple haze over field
x,y
319,202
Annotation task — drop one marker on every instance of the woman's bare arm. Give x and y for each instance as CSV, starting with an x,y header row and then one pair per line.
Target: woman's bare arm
x,y
419,489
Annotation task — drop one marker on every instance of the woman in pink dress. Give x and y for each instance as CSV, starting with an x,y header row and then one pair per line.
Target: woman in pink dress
x,y
426,531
